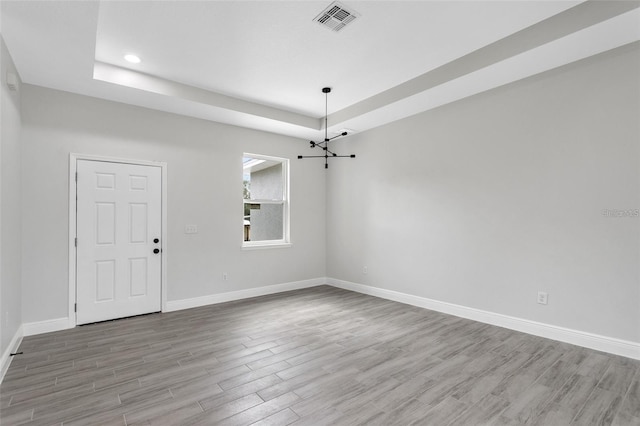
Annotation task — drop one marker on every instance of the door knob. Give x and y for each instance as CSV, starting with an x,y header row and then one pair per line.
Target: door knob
x,y
156,251
155,240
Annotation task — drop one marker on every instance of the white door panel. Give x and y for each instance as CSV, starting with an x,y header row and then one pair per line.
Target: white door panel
x,y
118,218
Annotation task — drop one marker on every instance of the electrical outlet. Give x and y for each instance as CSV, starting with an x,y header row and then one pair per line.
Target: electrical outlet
x,y
542,297
191,229
365,269
225,276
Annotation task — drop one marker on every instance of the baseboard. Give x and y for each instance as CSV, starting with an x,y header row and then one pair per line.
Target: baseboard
x,y
39,327
176,305
12,348
588,340
575,337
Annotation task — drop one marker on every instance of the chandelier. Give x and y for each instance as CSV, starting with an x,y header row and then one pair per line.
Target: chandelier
x,y
324,145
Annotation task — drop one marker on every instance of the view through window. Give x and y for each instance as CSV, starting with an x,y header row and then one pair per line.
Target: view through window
x,y
265,195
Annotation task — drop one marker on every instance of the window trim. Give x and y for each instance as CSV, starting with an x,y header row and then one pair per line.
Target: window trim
x,y
286,204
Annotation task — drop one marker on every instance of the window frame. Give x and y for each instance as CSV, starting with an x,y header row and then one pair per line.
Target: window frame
x,y
285,241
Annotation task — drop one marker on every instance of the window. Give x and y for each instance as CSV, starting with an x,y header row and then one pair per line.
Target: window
x,y
266,200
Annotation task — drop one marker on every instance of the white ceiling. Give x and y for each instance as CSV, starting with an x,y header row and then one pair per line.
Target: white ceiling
x,y
262,64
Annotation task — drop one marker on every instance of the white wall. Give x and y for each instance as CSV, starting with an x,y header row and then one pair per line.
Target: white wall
x,y
483,202
10,221
204,188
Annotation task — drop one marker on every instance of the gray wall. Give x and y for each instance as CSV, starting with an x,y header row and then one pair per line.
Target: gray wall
x,y
266,184
10,221
204,188
486,201
266,222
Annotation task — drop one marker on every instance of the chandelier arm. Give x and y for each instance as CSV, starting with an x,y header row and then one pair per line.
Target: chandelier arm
x,y
311,156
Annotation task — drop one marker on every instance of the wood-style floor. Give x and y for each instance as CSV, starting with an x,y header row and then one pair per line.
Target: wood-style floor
x,y
320,356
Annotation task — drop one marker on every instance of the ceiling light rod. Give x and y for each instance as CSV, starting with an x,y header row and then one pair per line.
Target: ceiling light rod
x,y
325,143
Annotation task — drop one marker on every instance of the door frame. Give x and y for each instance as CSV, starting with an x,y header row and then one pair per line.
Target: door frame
x,y
73,167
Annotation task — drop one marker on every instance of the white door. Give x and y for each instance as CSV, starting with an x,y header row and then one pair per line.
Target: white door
x,y
119,223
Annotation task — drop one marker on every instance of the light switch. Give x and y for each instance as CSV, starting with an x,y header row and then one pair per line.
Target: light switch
x,y
191,229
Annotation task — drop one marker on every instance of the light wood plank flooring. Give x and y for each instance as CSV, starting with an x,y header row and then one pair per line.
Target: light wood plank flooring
x,y
319,356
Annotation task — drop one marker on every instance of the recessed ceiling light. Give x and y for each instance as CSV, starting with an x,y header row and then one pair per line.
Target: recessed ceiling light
x,y
132,58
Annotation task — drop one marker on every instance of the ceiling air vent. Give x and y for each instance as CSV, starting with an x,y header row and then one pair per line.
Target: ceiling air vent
x,y
336,17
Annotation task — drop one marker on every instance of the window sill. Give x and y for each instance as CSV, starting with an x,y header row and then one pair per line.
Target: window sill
x,y
265,245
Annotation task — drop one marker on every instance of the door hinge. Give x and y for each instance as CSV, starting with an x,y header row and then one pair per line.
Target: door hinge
x,y
76,241
75,307
76,177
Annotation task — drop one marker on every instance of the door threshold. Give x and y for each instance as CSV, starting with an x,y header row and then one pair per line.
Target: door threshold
x,y
118,319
